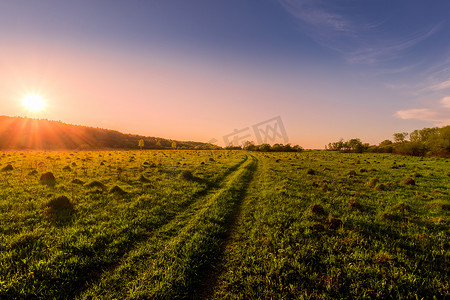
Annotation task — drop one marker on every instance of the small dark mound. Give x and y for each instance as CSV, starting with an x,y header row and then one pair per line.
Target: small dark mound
x,y
317,209
96,184
59,210
381,187
47,178
211,159
390,217
187,175
402,207
61,202
372,182
117,190
352,173
310,172
7,168
74,164
24,242
34,172
77,181
67,168
354,205
362,170
409,181
202,163
143,179
316,226
102,164
334,223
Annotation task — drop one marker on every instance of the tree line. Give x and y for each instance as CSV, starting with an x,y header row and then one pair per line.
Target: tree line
x,y
433,141
250,146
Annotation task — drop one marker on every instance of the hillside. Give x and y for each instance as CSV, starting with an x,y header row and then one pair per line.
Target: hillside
x,y
18,133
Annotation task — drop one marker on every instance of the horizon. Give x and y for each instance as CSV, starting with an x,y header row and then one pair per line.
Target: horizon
x,y
199,71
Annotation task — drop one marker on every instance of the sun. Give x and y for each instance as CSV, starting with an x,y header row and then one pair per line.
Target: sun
x,y
33,102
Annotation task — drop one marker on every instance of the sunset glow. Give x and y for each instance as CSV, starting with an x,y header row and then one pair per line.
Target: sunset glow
x,y
33,103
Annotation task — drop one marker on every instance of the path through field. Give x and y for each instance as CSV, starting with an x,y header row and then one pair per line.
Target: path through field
x,y
223,225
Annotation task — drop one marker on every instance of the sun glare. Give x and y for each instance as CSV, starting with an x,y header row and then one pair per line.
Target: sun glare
x,y
33,103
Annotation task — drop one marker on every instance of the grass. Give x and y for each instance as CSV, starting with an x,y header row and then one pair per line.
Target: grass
x,y
223,224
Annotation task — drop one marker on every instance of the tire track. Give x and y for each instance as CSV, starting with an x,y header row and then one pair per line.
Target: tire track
x,y
162,247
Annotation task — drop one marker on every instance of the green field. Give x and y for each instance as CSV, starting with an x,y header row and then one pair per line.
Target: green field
x,y
244,225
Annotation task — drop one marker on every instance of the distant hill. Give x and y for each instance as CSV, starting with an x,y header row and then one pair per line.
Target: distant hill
x,y
18,133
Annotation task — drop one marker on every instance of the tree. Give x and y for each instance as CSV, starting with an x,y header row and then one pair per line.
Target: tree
x,y
400,137
141,143
355,145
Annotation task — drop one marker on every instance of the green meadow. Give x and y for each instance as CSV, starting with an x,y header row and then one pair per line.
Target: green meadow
x,y
223,225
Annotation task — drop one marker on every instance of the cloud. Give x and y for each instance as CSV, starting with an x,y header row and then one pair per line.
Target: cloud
x,y
424,114
353,34
440,86
439,117
445,102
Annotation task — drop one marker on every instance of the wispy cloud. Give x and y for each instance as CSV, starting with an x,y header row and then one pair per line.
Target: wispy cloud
x,y
424,114
437,116
355,36
445,102
440,86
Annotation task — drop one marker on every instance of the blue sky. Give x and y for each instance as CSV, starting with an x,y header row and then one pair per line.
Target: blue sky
x,y
200,69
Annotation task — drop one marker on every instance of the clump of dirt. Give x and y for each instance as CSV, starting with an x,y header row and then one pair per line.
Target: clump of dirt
x,y
311,172
117,190
409,181
7,168
187,175
59,210
316,226
355,205
352,173
372,182
47,179
402,207
96,184
67,168
33,173
317,209
381,187
143,179
334,223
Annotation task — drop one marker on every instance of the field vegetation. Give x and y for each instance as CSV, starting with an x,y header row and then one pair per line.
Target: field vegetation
x,y
223,224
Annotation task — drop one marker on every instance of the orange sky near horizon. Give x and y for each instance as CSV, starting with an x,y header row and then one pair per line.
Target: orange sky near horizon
x,y
191,74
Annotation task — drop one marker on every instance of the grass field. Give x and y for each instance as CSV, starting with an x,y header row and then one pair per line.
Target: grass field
x,y
223,225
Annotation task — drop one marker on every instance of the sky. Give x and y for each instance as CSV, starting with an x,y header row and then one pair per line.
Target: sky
x,y
202,69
